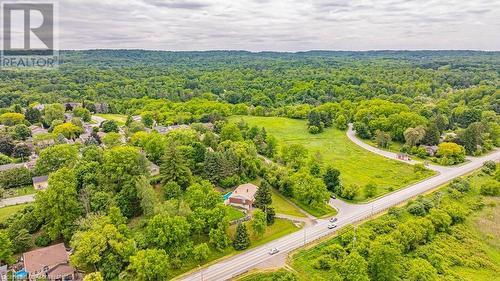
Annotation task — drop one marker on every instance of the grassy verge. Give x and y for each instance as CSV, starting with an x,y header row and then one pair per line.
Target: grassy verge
x,y
282,206
271,275
119,118
320,211
357,165
279,229
19,191
5,212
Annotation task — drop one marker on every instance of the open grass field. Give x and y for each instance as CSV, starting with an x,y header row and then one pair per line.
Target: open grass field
x,y
357,166
282,206
119,118
5,212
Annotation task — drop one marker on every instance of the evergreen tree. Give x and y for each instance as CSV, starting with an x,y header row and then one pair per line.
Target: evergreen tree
x,y
174,168
271,214
332,179
432,134
241,239
263,197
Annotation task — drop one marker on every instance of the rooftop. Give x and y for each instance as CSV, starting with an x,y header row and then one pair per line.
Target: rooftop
x,y
40,179
48,256
246,191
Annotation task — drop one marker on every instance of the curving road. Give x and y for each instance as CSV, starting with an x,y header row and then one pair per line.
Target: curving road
x,y
348,214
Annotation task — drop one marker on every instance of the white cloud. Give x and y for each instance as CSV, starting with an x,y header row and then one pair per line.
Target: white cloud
x,y
280,25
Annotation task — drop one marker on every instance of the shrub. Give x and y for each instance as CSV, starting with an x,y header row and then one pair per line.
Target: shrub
x,y
314,129
201,252
370,189
491,188
362,130
489,167
4,159
15,177
42,240
460,185
229,182
421,152
419,168
416,209
349,192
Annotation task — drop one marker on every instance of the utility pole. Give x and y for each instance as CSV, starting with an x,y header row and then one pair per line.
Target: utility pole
x,y
354,239
304,236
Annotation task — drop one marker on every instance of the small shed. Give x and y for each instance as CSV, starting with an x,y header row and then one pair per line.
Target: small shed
x,y
41,183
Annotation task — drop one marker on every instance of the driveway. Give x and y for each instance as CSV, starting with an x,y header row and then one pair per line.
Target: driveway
x,y
17,200
351,134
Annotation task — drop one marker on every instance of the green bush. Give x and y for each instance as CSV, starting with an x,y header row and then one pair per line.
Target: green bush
x,y
314,130
491,188
229,182
42,240
489,167
15,178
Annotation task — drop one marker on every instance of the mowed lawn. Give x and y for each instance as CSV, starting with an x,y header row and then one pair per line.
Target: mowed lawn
x,y
282,206
357,166
5,212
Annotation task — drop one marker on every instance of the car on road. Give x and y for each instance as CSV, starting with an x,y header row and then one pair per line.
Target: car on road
x,y
333,219
333,196
332,226
273,251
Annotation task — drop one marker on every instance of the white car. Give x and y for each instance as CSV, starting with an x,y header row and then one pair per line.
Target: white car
x,y
273,251
332,226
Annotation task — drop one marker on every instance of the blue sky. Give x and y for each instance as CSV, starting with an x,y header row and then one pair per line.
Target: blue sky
x,y
281,25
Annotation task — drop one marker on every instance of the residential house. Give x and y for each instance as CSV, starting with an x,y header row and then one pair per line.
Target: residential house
x,y
431,149
137,118
243,196
50,263
39,107
71,105
101,107
154,169
161,129
68,117
40,183
37,130
164,130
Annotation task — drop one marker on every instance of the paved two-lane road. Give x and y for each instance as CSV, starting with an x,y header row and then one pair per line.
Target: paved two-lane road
x,y
348,214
